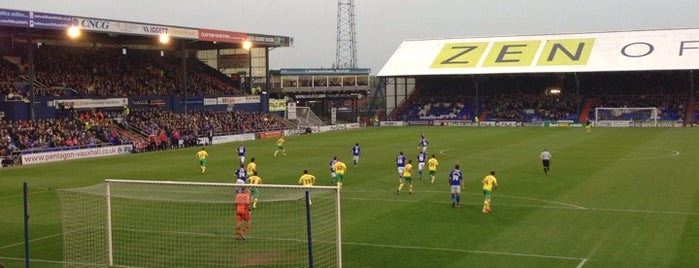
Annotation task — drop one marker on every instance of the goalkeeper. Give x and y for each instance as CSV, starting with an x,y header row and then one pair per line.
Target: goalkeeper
x,y
242,213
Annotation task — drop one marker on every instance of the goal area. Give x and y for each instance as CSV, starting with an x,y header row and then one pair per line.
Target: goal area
x,y
134,223
625,116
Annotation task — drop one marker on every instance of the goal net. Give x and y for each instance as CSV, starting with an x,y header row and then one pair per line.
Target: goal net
x,y
306,117
123,223
624,117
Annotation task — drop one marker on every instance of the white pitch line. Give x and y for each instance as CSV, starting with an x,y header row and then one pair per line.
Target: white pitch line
x,y
31,260
503,253
500,195
541,200
442,202
673,153
62,262
582,262
471,251
669,212
31,240
21,195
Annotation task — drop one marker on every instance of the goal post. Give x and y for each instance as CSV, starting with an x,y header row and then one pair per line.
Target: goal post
x,y
136,223
625,116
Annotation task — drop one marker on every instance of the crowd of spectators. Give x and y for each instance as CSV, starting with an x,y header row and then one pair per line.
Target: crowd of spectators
x,y
108,72
452,102
166,129
80,131
447,101
159,130
8,74
670,107
431,110
531,107
526,99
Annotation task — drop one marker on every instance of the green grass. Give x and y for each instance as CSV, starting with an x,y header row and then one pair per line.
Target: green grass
x,y
617,198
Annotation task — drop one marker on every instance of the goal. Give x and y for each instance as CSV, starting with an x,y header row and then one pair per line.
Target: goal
x,y
306,117
128,223
625,117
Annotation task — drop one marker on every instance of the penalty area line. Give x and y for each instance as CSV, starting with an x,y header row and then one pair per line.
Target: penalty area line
x,y
30,241
64,263
488,252
582,262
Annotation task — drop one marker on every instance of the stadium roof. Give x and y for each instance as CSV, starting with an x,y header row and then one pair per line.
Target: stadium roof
x,y
667,49
46,24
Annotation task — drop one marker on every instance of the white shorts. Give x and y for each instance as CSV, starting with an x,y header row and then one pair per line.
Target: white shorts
x,y
420,166
333,174
242,159
355,157
456,189
400,170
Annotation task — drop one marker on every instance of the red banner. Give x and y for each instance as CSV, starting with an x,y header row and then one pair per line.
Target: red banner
x,y
221,36
271,134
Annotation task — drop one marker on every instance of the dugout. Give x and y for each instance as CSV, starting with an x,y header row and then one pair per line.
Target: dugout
x,y
239,60
584,65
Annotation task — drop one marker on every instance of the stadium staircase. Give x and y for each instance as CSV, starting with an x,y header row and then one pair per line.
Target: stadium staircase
x,y
691,114
287,123
407,102
585,111
220,77
484,115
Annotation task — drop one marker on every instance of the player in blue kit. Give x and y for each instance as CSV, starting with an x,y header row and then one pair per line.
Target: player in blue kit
x,y
400,163
456,182
421,159
241,153
241,174
423,144
333,175
355,153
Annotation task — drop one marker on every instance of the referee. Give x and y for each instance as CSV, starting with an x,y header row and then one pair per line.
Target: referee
x,y
546,161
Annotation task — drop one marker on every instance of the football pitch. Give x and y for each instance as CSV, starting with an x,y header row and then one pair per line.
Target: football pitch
x,y
620,197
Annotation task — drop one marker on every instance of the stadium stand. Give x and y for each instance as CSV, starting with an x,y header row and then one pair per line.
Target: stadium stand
x,y
525,99
107,72
96,128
